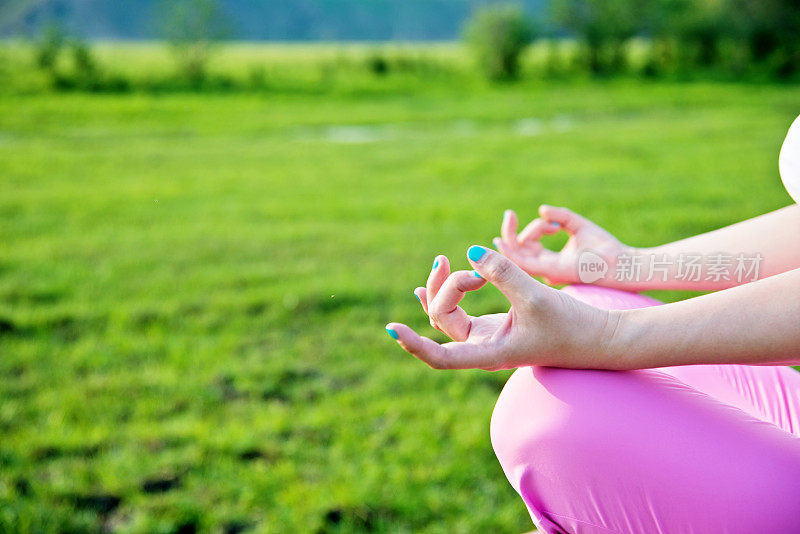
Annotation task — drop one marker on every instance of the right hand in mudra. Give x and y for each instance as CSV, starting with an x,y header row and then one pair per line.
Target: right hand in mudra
x,y
556,267
544,326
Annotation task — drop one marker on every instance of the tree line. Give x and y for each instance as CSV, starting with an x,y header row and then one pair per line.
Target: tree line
x,y
737,36
740,38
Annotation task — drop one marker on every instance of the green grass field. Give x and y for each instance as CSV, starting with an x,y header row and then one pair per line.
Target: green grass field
x,y
193,287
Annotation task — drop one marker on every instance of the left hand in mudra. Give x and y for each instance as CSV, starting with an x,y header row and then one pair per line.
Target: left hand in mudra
x,y
543,326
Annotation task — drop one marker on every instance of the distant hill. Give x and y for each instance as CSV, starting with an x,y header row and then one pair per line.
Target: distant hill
x,y
274,20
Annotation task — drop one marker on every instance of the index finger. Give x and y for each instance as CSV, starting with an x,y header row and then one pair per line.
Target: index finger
x,y
535,229
444,309
568,219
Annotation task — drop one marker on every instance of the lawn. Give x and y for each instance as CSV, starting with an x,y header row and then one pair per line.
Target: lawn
x,y
193,287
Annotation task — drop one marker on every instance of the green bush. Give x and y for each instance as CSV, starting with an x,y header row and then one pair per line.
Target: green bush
x,y
603,27
377,64
193,27
83,59
86,72
49,46
498,35
771,28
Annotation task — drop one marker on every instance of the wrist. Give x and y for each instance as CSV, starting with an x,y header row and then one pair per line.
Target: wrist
x,y
596,342
620,333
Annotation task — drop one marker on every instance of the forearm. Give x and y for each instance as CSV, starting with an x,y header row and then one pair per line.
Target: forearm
x,y
767,245
757,323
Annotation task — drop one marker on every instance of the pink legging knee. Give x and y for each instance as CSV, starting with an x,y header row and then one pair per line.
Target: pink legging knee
x,y
694,449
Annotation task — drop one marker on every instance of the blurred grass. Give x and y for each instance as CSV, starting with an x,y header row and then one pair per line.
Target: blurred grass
x,y
193,287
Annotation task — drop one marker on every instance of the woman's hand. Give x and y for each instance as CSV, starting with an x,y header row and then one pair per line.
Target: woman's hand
x,y
543,327
560,267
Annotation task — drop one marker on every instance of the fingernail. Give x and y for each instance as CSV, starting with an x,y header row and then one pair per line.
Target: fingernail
x,y
476,274
392,333
419,299
475,253
435,264
557,225
506,213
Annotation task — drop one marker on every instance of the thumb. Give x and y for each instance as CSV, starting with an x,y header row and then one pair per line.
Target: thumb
x,y
519,288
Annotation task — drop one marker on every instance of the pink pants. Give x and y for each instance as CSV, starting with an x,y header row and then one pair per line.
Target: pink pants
x,y
694,449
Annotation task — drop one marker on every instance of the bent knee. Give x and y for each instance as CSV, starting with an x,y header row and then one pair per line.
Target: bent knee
x,y
545,414
529,419
560,434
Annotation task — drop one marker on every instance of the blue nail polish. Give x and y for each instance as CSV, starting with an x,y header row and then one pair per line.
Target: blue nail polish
x,y
392,333
419,299
435,264
476,274
475,253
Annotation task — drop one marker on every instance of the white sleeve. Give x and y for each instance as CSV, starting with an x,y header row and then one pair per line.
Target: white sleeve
x,y
789,161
